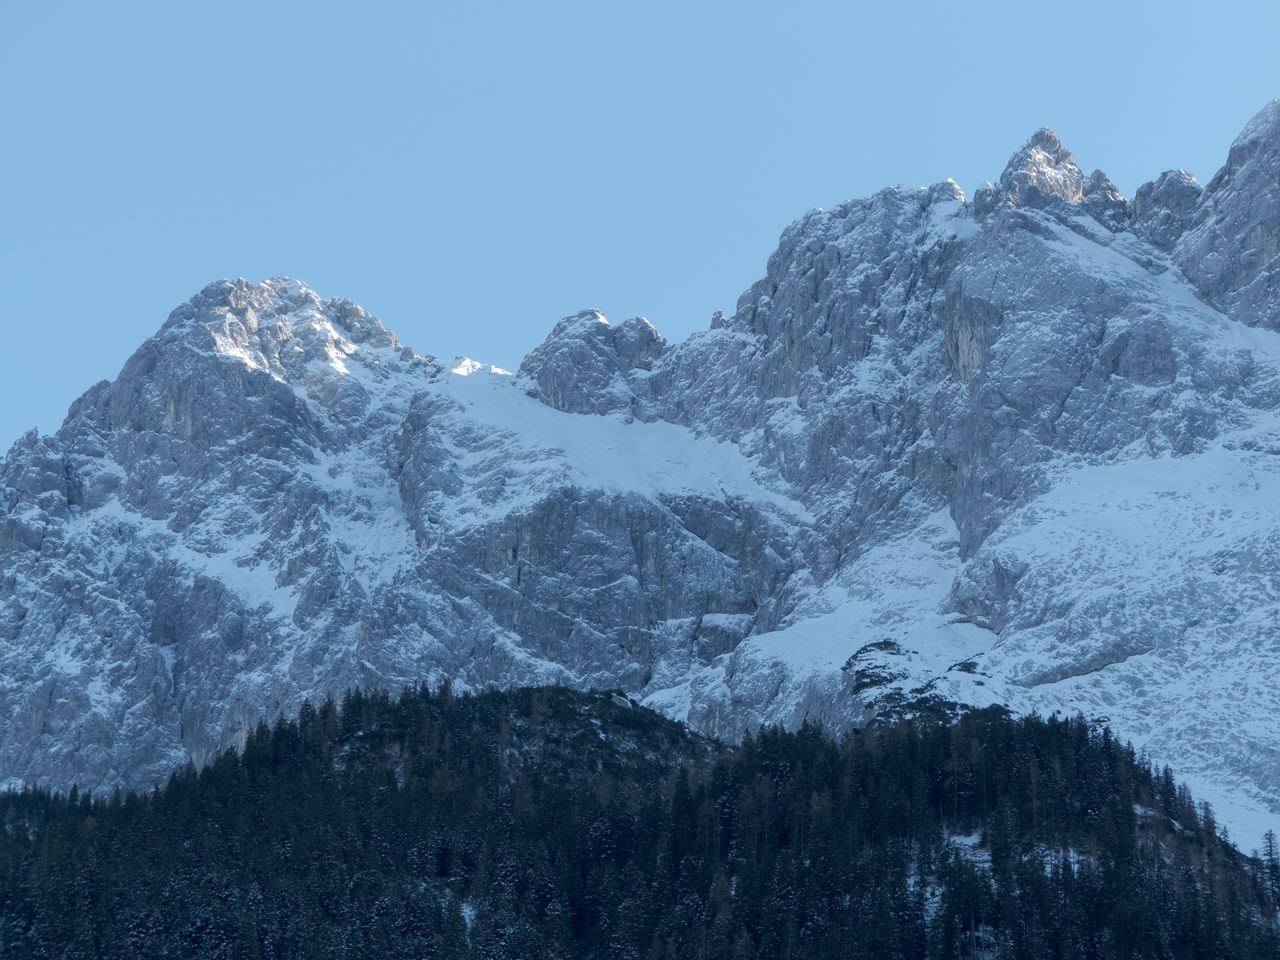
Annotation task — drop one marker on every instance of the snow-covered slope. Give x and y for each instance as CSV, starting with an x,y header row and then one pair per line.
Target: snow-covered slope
x,y
1021,449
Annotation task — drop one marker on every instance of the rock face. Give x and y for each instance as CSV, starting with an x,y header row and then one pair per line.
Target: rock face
x,y
1231,251
1020,450
582,366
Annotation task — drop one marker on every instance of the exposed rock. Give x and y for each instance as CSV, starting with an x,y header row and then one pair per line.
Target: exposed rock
x,y
998,451
1042,168
583,364
1162,208
1105,203
1231,252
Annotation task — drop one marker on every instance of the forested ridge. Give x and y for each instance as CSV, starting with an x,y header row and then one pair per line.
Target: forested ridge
x,y
544,823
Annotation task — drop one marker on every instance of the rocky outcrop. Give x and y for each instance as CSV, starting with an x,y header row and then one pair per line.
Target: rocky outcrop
x,y
1231,251
1043,168
583,365
1163,208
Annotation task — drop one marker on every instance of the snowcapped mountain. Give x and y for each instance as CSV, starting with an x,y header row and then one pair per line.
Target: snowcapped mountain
x,y
1019,449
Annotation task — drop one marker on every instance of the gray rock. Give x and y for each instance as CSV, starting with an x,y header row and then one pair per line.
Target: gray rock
x,y
1105,203
1231,251
1164,207
1019,450
1043,168
583,364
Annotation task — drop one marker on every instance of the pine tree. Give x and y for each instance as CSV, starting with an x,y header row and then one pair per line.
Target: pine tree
x,y
1271,864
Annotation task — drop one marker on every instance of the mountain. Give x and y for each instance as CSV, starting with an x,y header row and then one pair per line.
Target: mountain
x,y
548,823
1020,449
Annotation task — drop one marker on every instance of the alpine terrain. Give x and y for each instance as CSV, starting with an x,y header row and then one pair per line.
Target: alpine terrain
x,y
1020,449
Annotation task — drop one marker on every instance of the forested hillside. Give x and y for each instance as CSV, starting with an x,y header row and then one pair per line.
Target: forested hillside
x,y
542,823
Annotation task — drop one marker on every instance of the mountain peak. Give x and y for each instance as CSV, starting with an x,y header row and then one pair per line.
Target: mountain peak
x,y
929,463
265,324
1231,249
1264,123
1260,138
583,364
1046,140
1042,167
222,298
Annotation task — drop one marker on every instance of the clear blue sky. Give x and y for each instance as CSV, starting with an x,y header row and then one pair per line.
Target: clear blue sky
x,y
471,172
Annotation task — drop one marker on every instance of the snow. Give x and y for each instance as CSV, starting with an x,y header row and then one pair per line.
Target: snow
x,y
235,564
893,592
674,702
465,367
540,448
949,220
1113,538
364,516
1158,570
971,849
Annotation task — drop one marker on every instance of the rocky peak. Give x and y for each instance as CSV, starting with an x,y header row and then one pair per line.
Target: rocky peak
x,y
241,301
583,364
1105,202
920,425
1231,249
277,325
1042,167
264,361
1260,136
638,343
1163,207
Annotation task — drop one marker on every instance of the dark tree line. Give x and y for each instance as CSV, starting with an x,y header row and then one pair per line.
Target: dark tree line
x,y
545,823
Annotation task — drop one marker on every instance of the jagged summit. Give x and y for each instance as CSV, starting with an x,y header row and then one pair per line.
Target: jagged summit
x,y
263,322
1255,153
942,453
1163,208
1231,248
1043,166
1263,126
1044,171
582,366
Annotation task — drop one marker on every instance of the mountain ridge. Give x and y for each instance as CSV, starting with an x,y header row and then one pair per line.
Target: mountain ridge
x,y
1031,433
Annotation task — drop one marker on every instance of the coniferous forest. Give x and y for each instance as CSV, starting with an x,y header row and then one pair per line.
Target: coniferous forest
x,y
544,823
